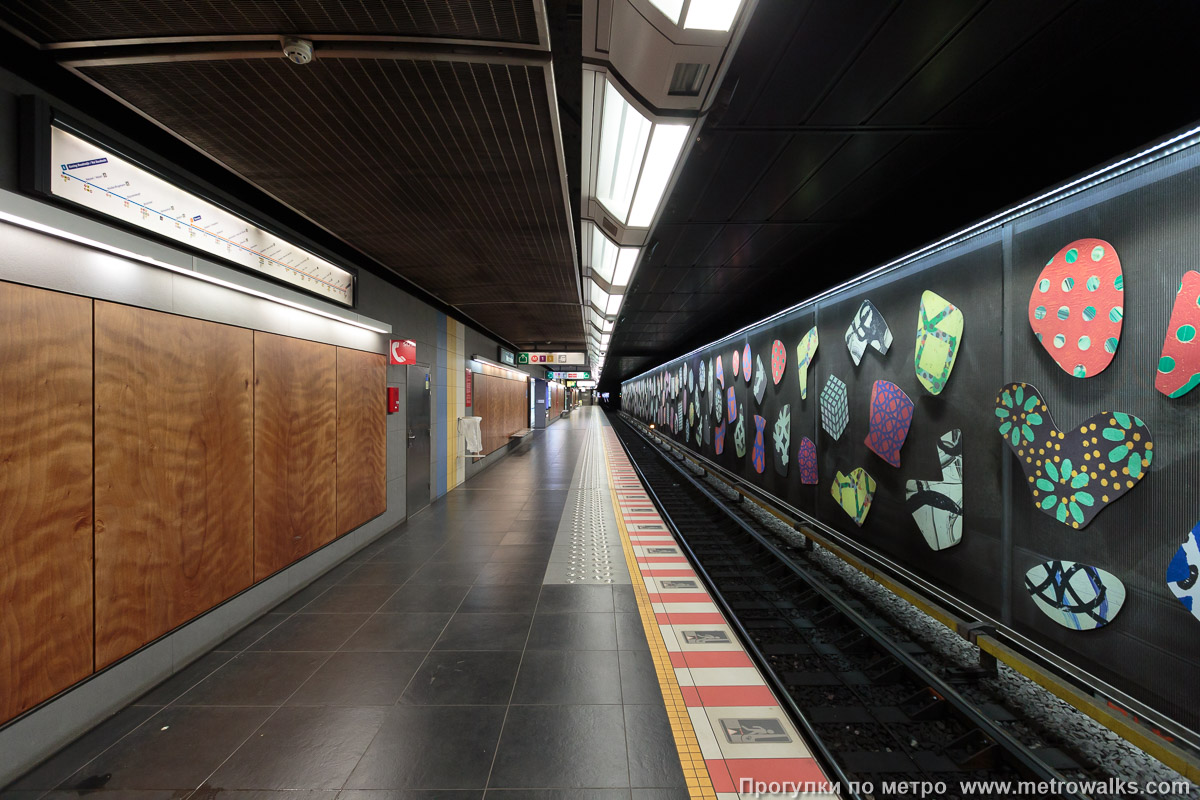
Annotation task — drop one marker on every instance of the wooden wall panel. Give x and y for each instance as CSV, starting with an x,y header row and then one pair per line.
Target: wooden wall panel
x,y
174,472
45,494
361,437
295,449
504,406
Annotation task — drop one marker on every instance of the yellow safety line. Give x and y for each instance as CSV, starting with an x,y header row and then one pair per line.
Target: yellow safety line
x,y
695,771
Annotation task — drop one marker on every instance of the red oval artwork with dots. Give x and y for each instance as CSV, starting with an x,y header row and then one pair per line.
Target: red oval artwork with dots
x,y
778,361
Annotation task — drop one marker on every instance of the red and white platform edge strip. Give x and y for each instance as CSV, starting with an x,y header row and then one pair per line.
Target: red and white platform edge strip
x,y
718,679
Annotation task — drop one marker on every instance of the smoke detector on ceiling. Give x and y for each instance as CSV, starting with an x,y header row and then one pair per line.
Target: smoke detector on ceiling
x,y
298,51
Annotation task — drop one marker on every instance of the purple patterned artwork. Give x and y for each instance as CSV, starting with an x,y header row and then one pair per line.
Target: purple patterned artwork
x,y
758,455
891,415
807,458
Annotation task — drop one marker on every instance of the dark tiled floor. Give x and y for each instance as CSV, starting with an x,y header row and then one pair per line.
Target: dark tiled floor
x,y
432,663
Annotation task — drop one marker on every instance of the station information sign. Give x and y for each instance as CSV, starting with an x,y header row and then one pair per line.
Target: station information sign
x,y
551,358
87,174
568,376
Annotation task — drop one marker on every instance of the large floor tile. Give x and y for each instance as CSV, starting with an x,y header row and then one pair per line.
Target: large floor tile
x,y
653,758
568,677
254,679
302,748
574,598
458,677
65,762
321,632
180,749
358,679
573,631
350,598
424,597
501,598
406,631
485,632
562,746
431,747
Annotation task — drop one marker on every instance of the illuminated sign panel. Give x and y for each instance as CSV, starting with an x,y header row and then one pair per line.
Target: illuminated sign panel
x,y
97,179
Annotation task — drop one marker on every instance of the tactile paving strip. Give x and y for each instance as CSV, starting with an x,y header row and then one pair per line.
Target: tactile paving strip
x,y
587,547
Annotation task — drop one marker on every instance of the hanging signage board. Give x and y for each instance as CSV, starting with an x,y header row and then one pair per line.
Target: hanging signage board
x,y
568,376
552,358
508,357
468,388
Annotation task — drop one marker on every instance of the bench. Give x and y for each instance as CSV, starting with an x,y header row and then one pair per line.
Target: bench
x,y
521,434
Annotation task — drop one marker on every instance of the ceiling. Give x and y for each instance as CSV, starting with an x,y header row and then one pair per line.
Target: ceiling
x,y
855,131
424,135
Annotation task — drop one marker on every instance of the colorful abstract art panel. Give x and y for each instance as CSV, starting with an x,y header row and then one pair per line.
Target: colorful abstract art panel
x,y
806,351
759,387
720,373
868,329
1077,307
731,405
853,493
758,454
778,361
1183,573
1076,596
782,438
891,416
719,442
835,413
701,378
737,363
746,362
937,505
739,435
806,458
1073,475
939,335
1179,364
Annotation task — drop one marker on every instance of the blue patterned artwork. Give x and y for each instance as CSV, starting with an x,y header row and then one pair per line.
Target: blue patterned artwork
x,y
835,414
758,455
746,362
806,457
1183,573
868,329
1076,596
719,443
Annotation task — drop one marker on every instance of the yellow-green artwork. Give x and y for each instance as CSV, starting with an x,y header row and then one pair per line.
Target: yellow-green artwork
x,y
805,352
939,334
854,493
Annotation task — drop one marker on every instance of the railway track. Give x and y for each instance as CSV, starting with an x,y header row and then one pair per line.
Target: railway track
x,y
867,696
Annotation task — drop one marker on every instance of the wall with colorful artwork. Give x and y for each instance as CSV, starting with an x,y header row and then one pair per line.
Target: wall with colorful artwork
x,y
1008,419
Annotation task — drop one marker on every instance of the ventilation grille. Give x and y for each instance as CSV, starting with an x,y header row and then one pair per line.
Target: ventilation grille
x,y
87,20
443,171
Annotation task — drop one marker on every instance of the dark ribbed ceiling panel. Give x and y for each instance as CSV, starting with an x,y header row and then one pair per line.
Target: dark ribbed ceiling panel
x,y
541,323
87,20
443,171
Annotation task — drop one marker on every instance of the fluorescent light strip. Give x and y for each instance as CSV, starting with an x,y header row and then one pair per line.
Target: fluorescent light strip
x,y
59,233
665,146
1177,143
712,15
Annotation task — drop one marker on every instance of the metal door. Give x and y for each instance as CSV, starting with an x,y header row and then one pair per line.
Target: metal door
x,y
418,447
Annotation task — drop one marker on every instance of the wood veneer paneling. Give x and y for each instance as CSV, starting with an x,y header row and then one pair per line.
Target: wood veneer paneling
x,y
174,472
503,405
361,437
295,449
45,494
